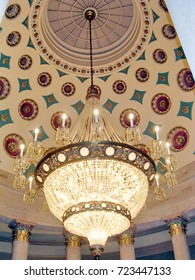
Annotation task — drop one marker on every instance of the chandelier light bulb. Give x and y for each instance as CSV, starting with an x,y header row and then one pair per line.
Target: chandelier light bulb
x,y
96,113
22,146
131,117
168,161
64,117
157,128
168,148
30,182
36,134
157,180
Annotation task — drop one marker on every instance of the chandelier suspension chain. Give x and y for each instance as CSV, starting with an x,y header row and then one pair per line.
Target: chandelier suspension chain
x,y
91,49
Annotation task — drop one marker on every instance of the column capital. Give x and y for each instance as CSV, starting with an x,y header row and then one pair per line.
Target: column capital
x,y
72,240
20,231
177,225
127,237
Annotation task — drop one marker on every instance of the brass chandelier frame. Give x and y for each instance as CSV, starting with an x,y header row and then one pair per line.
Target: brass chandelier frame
x,y
102,150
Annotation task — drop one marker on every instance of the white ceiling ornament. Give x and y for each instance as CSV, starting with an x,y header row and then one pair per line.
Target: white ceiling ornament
x,y
121,31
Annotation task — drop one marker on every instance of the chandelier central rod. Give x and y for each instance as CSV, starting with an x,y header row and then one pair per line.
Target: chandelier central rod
x,y
91,51
90,15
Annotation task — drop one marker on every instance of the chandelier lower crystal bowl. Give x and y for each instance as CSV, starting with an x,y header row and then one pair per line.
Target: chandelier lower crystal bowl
x,y
97,221
96,187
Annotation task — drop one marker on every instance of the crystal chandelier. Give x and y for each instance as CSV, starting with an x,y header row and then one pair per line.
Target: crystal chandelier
x,y
97,179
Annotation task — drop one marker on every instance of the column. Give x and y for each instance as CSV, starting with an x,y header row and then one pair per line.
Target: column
x,y
3,8
177,229
73,247
21,234
185,28
126,245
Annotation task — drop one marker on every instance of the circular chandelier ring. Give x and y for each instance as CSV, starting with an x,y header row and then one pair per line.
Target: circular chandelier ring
x,y
90,150
96,206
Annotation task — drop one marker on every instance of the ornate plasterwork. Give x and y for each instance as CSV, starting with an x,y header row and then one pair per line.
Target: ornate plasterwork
x,y
124,47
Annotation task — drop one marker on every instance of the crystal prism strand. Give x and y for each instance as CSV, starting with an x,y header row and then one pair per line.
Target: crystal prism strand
x,y
19,182
133,135
172,167
97,127
171,163
159,193
171,179
30,193
29,196
97,131
19,168
62,136
158,149
19,165
34,149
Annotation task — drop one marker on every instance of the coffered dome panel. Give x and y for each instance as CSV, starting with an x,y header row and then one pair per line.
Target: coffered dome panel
x,y
120,31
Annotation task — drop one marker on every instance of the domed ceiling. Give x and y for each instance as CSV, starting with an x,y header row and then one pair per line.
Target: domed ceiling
x,y
139,65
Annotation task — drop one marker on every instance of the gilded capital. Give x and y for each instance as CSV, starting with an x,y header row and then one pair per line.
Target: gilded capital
x,y
175,229
22,235
72,240
177,225
21,232
126,238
